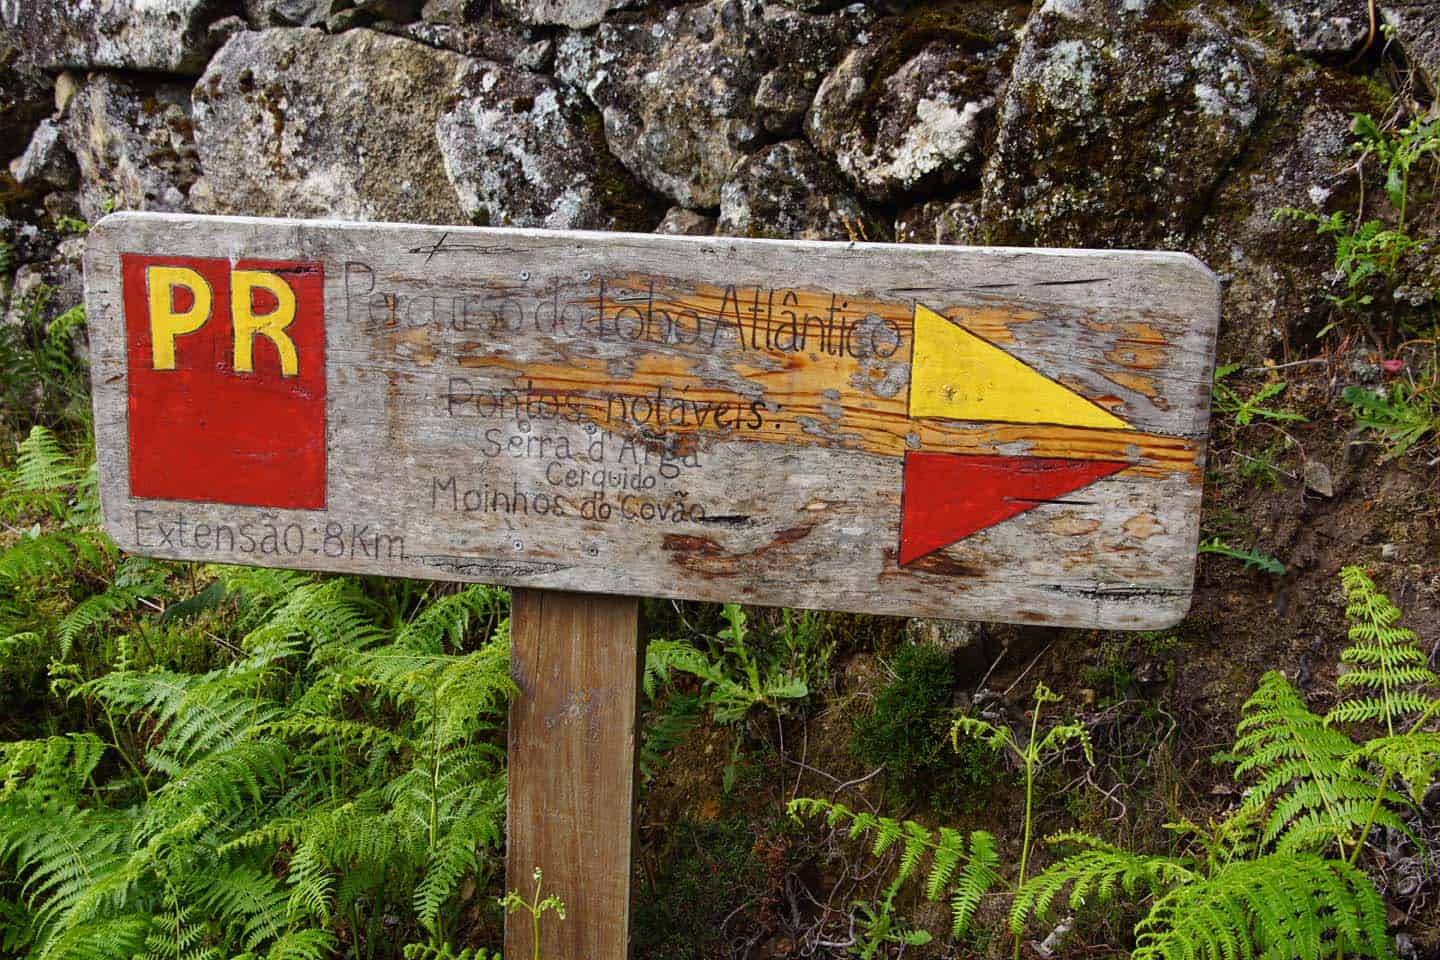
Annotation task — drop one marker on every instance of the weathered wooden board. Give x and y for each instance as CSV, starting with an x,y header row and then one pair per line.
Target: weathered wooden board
x,y
577,661
977,433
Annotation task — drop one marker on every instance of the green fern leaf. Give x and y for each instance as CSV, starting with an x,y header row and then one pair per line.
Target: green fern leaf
x,y
944,862
1303,767
1384,660
1277,905
981,873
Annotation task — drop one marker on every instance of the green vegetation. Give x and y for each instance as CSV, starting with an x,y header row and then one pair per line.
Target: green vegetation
x,y
233,762
1276,875
906,728
1278,872
218,762
536,907
737,673
1032,753
702,870
41,382
1404,415
736,676
1378,256
1242,411
1389,273
1252,559
961,871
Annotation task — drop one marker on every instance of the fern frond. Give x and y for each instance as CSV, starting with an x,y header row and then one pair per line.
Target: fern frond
x,y
103,939
981,872
64,866
1414,756
55,552
1410,704
42,464
357,735
973,728
1303,767
199,713
1301,906
664,656
49,772
304,944
450,618
1064,733
949,849
455,854
918,841
330,614
312,882
91,612
1383,658
970,873
449,691
666,729
221,781
177,932
1093,875
246,900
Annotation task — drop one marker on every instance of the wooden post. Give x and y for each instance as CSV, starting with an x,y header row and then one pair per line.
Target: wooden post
x,y
577,659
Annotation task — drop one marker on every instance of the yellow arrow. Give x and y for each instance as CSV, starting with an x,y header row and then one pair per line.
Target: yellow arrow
x,y
958,376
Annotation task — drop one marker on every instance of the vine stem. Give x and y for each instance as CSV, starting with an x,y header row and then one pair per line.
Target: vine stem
x,y
535,920
1029,757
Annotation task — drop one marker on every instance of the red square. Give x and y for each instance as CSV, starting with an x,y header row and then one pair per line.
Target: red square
x,y
202,427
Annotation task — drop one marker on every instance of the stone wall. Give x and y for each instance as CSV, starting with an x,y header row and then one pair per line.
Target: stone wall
x,y
1150,123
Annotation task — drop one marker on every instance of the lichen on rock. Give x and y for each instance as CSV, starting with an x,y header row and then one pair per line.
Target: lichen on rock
x,y
45,164
298,123
25,100
909,110
955,221
679,95
291,13
566,13
169,36
519,155
787,191
1277,271
1117,125
134,141
1323,28
1416,24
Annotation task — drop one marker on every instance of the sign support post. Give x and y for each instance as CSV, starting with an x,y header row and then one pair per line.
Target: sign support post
x,y
573,736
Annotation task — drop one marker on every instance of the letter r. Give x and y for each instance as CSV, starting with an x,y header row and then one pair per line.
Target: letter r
x,y
167,323
271,325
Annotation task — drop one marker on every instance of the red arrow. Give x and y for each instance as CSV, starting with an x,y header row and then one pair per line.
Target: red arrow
x,y
949,496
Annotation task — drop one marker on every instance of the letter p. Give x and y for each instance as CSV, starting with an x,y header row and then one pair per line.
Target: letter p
x,y
166,322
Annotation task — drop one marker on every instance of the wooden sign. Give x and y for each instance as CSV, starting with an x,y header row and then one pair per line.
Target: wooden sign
x,y
996,434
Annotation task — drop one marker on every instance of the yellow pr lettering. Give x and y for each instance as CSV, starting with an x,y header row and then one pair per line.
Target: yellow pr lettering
x,y
167,323
270,325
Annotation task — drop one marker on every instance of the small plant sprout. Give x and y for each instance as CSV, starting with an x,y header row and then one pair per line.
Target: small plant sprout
x,y
960,869
1032,755
513,902
1250,557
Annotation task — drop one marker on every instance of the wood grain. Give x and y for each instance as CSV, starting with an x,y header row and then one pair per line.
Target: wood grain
x,y
577,661
740,408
